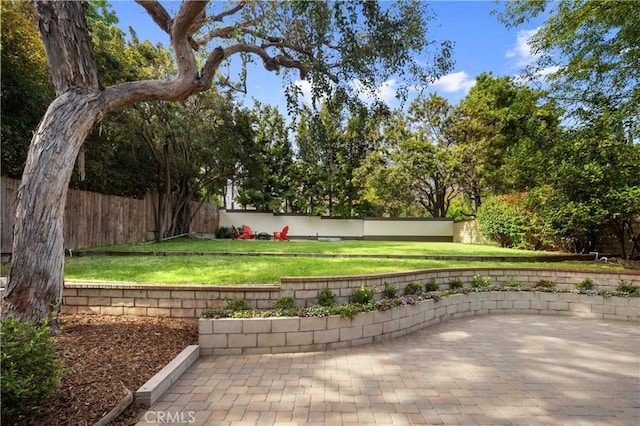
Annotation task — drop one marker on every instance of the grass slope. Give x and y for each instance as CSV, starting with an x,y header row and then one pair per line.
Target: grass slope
x,y
219,270
341,247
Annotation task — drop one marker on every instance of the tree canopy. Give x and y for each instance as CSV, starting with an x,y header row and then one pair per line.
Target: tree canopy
x,y
332,44
590,52
26,88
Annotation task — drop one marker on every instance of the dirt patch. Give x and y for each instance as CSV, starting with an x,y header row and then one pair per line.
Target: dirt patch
x,y
102,354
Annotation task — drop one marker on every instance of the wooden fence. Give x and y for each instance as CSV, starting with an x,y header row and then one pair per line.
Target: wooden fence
x,y
93,220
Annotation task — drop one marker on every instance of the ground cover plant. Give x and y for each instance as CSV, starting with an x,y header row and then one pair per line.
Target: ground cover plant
x,y
364,300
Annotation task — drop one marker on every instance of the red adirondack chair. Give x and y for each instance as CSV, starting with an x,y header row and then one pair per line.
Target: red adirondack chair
x,y
282,235
236,233
247,233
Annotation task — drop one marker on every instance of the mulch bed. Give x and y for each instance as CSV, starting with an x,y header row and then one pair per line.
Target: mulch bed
x,y
104,354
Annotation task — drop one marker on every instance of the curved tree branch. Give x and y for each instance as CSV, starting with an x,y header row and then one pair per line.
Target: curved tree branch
x,y
190,14
158,13
226,32
220,16
128,93
270,63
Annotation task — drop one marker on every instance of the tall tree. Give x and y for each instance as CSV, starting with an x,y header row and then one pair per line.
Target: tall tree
x,y
431,121
113,159
195,146
360,138
310,178
325,41
267,185
414,171
504,131
593,189
590,52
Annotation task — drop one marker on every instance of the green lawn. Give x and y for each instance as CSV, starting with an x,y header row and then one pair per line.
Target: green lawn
x,y
305,246
229,269
219,270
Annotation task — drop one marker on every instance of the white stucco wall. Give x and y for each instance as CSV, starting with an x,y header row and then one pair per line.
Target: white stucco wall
x,y
302,226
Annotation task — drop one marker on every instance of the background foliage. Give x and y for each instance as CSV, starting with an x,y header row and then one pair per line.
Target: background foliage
x,y
571,149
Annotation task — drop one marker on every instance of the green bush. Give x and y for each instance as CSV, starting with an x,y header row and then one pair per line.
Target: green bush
x,y
480,282
511,283
216,313
626,287
30,367
362,295
224,232
456,284
347,310
285,302
503,220
327,298
236,305
431,286
585,284
545,284
390,291
413,289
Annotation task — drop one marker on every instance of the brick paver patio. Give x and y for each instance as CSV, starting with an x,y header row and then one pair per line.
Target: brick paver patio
x,y
500,369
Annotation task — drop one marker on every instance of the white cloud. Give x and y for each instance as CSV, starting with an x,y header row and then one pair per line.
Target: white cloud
x,y
521,52
454,82
385,92
305,89
538,76
549,70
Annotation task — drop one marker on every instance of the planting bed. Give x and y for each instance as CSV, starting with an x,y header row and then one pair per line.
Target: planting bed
x,y
229,336
102,354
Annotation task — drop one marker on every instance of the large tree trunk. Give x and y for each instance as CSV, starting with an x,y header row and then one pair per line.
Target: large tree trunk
x,y
36,277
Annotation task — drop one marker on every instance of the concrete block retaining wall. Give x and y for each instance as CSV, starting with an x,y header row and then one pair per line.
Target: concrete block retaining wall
x,y
228,336
188,301
184,302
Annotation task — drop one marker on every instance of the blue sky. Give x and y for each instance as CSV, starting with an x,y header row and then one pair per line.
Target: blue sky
x,y
482,44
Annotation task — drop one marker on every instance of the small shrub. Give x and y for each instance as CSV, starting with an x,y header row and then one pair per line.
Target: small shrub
x,y
480,282
348,310
431,286
413,289
545,284
362,295
456,284
390,291
236,305
511,283
30,367
216,313
626,287
327,298
285,302
224,232
585,284
386,304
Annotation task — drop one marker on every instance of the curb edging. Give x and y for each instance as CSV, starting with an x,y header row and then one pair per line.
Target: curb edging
x,y
156,386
